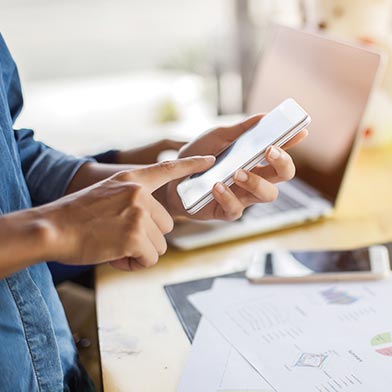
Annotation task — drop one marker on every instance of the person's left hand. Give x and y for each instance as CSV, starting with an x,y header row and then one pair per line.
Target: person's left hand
x,y
257,186
149,153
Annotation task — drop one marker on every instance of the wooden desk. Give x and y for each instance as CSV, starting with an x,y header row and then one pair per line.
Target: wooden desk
x,y
143,347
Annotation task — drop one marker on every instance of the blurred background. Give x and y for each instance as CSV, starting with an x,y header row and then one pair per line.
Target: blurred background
x,y
99,74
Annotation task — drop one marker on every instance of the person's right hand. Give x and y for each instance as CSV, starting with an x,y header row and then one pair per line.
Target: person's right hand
x,y
118,219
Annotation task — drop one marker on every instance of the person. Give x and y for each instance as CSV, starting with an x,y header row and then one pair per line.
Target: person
x,y
78,212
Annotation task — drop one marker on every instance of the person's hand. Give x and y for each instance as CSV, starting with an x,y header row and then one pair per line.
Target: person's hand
x,y
118,219
149,153
257,186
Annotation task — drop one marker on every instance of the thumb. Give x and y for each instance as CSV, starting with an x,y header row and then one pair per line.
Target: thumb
x,y
173,144
216,140
154,176
231,133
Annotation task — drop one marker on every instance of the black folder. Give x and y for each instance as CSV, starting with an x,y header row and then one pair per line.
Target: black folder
x,y
178,293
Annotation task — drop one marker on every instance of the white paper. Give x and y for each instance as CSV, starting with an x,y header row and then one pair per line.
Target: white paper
x,y
316,337
215,366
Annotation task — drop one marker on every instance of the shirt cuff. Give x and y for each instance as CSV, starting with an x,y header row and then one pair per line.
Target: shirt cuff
x,y
107,157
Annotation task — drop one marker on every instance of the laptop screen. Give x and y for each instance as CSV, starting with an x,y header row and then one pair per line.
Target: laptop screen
x,y
332,81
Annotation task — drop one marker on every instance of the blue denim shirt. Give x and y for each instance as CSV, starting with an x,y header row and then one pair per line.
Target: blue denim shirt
x,y
37,352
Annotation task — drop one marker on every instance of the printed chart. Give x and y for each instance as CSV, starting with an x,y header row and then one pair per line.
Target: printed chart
x,y
337,296
382,343
311,360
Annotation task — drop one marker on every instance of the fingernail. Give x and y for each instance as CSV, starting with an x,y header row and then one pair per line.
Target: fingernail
x,y
210,158
241,175
274,153
220,188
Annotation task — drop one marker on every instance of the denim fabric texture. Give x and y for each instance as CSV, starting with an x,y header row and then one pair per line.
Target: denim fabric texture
x,y
37,351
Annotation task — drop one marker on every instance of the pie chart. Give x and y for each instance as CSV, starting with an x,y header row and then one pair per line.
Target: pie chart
x,y
382,343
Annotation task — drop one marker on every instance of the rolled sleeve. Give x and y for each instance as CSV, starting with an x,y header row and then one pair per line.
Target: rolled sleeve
x,y
107,157
47,172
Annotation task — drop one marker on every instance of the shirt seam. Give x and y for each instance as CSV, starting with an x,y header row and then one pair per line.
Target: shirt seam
x,y
25,334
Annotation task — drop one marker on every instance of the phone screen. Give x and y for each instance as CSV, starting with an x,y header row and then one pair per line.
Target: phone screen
x,y
251,143
319,262
336,261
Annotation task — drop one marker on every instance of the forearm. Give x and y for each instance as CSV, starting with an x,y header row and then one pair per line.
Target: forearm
x,y
26,237
114,161
147,154
91,173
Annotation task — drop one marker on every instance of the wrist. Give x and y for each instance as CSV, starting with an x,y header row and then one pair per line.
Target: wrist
x,y
51,230
26,238
43,232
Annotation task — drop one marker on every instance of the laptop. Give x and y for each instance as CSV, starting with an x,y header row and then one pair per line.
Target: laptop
x,y
332,80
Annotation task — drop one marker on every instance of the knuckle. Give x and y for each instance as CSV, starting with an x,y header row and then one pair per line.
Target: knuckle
x,y
168,225
234,214
134,191
139,215
288,171
286,175
134,237
136,188
122,176
162,250
272,195
257,187
265,191
254,183
168,165
151,261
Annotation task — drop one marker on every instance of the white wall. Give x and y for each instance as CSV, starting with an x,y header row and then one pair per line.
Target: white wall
x,y
67,38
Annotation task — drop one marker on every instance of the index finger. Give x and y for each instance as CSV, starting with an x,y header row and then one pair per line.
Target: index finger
x,y
154,176
296,139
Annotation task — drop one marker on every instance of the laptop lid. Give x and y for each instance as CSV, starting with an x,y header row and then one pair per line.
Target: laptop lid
x,y
332,80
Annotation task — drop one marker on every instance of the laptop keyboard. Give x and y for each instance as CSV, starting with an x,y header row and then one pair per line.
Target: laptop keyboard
x,y
283,203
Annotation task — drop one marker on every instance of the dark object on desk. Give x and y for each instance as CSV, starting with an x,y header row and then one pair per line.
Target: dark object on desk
x,y
178,293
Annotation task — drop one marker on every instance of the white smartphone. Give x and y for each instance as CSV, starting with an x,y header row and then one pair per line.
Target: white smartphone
x,y
276,128
369,263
